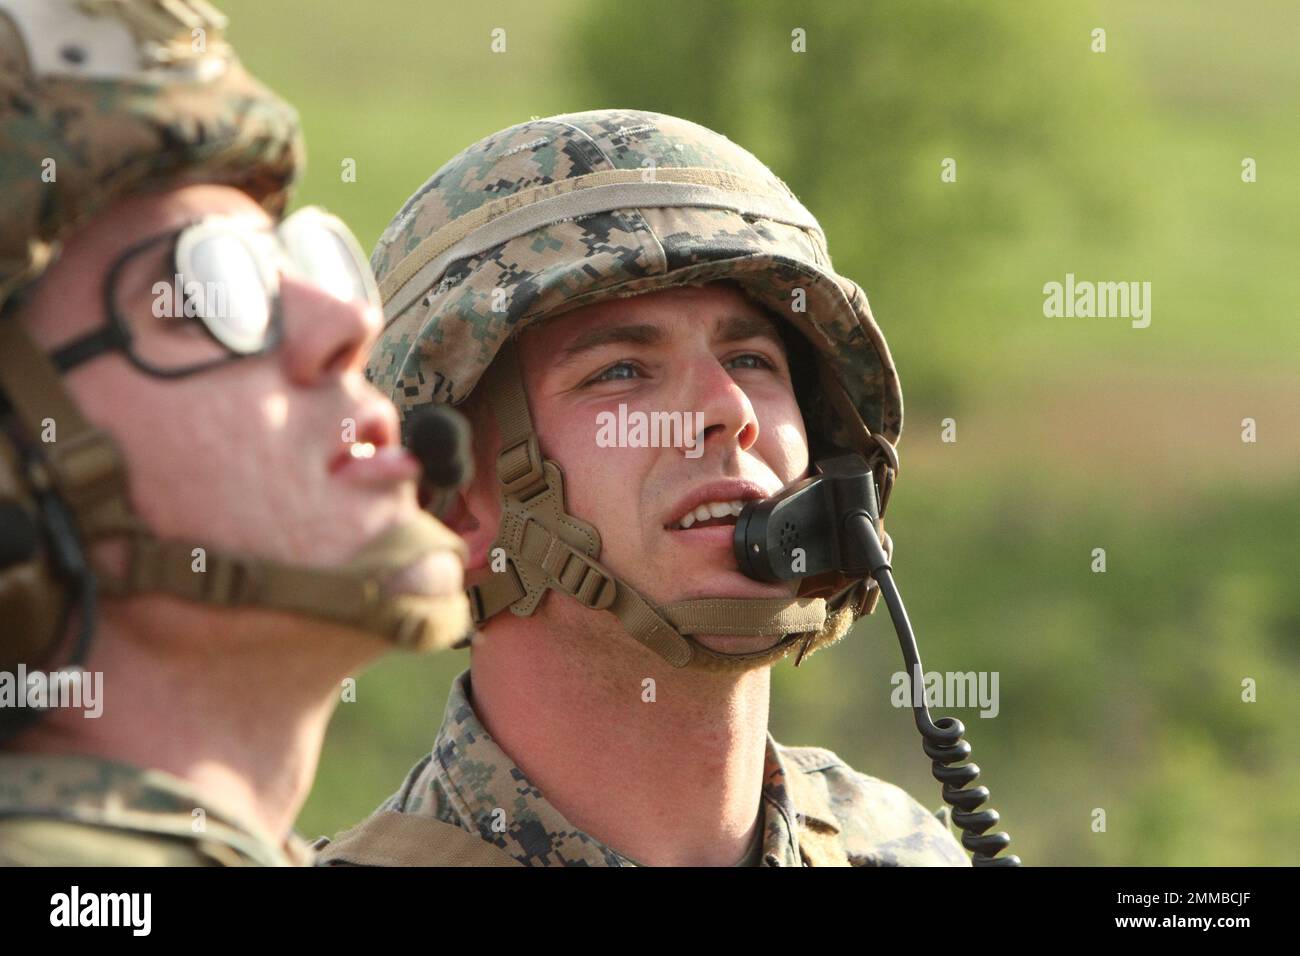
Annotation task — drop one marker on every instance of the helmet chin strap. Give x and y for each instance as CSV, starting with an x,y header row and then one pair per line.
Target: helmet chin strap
x,y
547,547
374,592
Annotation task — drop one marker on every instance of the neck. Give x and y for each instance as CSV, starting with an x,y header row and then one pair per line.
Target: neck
x,y
668,773
234,703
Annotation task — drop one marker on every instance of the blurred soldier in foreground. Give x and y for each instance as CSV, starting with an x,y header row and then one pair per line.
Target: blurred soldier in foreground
x,y
207,522
567,281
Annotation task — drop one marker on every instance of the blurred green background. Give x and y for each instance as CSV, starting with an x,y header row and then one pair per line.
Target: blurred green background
x,y
1121,690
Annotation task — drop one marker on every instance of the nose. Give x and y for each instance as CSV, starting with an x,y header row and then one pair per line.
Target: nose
x,y
728,413
324,337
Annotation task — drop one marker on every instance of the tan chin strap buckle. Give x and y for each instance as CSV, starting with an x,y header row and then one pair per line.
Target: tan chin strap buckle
x,y
571,571
550,548
520,469
231,582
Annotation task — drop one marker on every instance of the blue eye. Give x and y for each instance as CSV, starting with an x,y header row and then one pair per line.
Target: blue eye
x,y
605,376
614,373
754,355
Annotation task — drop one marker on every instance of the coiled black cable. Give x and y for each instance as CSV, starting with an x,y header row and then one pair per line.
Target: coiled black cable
x,y
943,741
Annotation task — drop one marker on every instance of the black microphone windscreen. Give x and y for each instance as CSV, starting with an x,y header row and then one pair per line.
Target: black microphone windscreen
x,y
439,436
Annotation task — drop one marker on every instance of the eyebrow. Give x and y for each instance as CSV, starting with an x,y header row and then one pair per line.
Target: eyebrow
x,y
733,328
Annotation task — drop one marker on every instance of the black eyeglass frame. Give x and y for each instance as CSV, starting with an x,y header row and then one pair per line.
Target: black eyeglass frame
x,y
115,334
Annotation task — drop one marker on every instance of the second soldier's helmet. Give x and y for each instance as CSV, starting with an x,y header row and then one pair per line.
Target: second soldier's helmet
x,y
557,213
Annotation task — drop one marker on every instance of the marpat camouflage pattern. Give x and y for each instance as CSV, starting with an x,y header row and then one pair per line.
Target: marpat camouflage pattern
x,y
83,811
816,811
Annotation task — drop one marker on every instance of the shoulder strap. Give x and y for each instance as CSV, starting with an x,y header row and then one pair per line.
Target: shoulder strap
x,y
391,838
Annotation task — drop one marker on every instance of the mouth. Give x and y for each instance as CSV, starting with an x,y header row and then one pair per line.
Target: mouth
x,y
713,506
703,526
376,456
711,514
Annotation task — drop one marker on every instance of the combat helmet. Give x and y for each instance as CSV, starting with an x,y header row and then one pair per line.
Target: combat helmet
x,y
556,213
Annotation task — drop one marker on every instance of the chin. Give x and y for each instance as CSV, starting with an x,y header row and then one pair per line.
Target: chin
x,y
732,644
727,584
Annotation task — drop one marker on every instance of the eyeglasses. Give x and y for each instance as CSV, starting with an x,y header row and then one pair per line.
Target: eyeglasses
x,y
220,299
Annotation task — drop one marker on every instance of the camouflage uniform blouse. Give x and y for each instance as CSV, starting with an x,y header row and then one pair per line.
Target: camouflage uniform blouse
x,y
83,811
816,811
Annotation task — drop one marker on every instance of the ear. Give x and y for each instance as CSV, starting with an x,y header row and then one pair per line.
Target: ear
x,y
475,512
475,515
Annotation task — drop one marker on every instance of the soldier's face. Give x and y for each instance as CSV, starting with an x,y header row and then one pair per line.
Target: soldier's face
x,y
706,353
252,456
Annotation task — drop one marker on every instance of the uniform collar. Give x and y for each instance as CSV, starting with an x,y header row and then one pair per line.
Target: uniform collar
x,y
492,796
801,828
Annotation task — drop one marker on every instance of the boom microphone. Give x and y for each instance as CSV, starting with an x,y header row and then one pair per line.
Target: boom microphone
x,y
439,437
807,521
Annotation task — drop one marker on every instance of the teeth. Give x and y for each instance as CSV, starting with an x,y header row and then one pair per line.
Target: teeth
x,y
712,509
362,449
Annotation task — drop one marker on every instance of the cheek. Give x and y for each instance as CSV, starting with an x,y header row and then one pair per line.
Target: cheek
x,y
783,442
601,485
196,456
